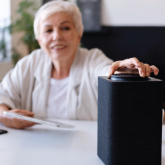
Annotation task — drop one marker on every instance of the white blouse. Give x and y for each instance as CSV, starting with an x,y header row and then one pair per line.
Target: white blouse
x,y
56,106
27,85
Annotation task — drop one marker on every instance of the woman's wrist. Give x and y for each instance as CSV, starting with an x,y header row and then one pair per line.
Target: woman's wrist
x,y
2,109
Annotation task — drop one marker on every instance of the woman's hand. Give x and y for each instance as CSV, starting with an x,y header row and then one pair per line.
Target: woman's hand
x,y
14,122
133,65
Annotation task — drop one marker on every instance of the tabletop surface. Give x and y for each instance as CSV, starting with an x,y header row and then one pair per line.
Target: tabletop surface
x,y
41,145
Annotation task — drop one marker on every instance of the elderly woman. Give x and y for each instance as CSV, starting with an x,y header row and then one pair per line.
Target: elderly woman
x,y
60,79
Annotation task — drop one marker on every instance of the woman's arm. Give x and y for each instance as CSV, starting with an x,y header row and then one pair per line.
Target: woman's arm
x,y
13,88
2,109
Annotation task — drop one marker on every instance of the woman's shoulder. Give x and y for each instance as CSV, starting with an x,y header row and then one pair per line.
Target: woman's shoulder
x,y
91,55
94,57
85,51
37,64
34,62
35,58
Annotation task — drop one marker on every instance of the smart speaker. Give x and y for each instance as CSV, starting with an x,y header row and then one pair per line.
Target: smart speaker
x,y
129,120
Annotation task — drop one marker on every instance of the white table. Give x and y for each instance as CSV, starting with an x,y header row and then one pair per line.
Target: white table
x,y
45,145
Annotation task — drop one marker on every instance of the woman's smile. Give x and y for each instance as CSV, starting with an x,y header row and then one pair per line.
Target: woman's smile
x,y
58,47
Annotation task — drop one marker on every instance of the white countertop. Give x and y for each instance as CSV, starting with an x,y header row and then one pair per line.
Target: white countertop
x,y
45,145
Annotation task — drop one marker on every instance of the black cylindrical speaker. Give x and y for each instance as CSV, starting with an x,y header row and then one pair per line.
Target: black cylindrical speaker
x,y
129,120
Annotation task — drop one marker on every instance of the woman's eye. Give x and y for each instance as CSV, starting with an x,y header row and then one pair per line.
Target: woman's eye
x,y
48,31
65,28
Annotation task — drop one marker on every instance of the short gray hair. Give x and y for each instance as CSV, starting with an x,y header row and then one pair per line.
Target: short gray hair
x,y
53,7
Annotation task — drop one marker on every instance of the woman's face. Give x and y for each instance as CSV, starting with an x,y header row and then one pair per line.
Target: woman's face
x,y
58,37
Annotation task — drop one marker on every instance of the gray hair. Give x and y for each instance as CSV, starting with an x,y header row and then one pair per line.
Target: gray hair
x,y
53,7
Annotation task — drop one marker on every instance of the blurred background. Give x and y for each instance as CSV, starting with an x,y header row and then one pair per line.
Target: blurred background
x,y
121,29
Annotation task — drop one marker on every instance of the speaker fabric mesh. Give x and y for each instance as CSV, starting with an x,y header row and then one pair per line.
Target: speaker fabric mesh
x,y
129,121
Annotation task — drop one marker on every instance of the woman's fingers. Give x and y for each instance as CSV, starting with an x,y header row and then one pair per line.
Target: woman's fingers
x,y
20,124
132,64
148,70
113,68
145,70
154,69
23,112
142,70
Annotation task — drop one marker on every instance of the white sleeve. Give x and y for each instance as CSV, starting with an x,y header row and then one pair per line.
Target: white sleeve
x,y
10,94
11,85
98,64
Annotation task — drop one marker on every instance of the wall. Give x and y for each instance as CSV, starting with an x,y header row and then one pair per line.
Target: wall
x,y
8,11
5,11
5,15
114,13
4,68
133,12
19,46
5,21
16,43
